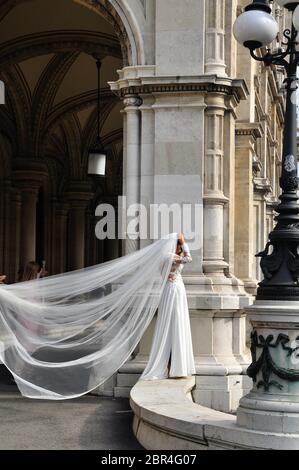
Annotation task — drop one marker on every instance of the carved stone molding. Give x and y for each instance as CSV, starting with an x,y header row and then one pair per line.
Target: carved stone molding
x,y
179,88
262,185
79,193
28,175
251,129
252,132
215,199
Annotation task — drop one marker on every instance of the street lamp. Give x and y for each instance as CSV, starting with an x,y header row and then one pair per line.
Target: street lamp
x,y
255,28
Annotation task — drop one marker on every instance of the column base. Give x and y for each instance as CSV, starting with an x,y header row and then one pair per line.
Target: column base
x,y
216,292
261,412
221,393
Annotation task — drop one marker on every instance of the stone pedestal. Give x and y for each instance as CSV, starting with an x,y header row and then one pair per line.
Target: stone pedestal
x,y
273,403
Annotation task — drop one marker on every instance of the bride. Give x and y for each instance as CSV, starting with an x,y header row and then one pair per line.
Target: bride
x,y
63,336
172,353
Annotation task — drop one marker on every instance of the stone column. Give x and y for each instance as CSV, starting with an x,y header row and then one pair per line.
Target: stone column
x,y
215,37
246,135
214,198
133,129
5,225
29,175
2,224
15,234
60,237
147,166
78,195
29,197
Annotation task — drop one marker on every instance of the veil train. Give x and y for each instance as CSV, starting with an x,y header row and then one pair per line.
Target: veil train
x,y
64,335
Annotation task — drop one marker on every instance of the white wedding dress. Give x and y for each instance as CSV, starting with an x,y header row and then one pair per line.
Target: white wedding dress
x,y
172,338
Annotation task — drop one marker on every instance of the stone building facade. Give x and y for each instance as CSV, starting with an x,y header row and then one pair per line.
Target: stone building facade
x,y
181,102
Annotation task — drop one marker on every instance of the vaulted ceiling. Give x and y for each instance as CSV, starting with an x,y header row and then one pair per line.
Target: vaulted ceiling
x,y
47,61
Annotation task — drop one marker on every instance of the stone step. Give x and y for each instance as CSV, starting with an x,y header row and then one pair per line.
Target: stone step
x,y
127,380
122,392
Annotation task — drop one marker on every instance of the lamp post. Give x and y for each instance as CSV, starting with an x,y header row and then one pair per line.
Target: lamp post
x,y
272,405
280,259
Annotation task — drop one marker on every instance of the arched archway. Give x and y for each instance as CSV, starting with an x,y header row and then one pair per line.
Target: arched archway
x,y
122,20
47,61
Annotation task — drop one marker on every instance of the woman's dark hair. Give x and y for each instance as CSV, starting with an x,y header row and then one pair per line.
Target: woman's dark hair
x,y
30,271
180,245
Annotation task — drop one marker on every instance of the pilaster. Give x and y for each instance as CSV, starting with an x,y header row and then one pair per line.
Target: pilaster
x,y
215,37
246,136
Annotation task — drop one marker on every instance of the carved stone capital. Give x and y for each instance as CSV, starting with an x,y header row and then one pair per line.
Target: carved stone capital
x,y
29,172
79,194
132,101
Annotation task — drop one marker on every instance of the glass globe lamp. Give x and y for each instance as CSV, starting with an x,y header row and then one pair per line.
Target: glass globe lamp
x,y
255,28
296,18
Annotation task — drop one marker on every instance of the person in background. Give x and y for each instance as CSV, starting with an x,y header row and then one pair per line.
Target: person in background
x,y
32,271
2,278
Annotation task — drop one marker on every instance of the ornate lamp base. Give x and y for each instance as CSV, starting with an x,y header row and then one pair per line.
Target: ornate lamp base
x,y
273,403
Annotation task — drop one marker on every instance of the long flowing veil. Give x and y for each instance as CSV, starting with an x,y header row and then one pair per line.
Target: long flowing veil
x,y
64,335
